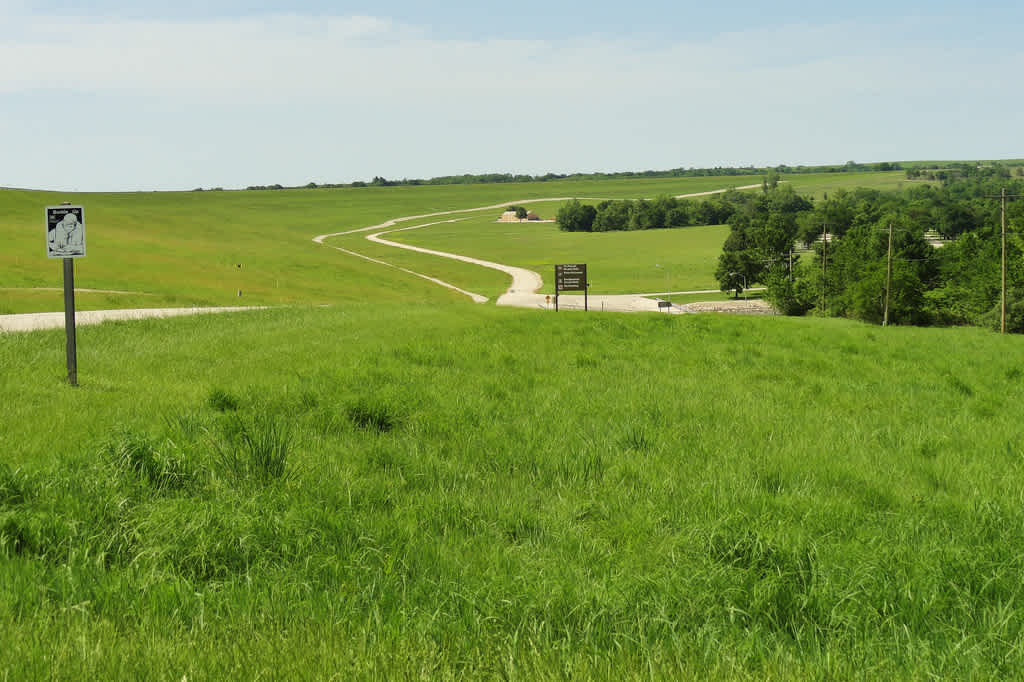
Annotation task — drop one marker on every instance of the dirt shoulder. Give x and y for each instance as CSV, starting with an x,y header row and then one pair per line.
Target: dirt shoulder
x,y
27,322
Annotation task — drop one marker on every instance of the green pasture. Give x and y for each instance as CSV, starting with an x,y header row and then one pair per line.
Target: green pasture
x,y
185,248
440,492
817,185
617,262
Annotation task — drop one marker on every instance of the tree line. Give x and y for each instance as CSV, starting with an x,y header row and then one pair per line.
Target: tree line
x,y
643,214
497,178
848,271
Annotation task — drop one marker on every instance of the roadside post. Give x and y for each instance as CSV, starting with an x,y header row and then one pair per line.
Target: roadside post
x,y
65,239
571,277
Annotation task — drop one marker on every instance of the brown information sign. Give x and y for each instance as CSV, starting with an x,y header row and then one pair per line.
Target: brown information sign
x,y
571,277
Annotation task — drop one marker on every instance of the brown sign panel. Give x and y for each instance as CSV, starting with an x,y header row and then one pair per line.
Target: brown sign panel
x,y
571,277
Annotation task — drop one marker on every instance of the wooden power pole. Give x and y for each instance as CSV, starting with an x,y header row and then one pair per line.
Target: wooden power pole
x,y
888,280
824,261
1002,307
1003,196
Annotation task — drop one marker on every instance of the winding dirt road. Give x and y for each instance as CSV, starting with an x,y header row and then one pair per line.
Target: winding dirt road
x,y
521,293
525,283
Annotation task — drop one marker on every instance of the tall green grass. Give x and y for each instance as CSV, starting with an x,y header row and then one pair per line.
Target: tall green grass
x,y
459,491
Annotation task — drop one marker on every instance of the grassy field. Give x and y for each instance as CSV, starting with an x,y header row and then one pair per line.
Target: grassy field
x,y
618,262
442,491
184,248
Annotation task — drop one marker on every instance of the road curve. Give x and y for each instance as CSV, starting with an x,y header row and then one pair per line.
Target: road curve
x,y
525,283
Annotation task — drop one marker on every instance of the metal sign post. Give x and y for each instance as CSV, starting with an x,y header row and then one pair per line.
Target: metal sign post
x,y
65,239
71,346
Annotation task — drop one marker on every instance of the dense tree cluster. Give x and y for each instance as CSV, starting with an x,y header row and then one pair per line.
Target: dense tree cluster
x,y
959,283
641,214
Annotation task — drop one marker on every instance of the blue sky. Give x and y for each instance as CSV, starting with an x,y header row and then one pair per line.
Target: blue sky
x,y
127,96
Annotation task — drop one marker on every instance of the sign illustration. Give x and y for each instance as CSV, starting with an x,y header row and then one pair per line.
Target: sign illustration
x,y
65,231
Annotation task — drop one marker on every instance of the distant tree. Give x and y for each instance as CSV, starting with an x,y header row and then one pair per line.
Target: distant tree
x,y
735,271
761,235
706,213
641,217
576,217
790,294
952,220
521,212
677,217
612,215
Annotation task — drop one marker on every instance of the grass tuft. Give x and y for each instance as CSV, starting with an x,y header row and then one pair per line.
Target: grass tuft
x,y
372,416
637,439
161,465
254,448
221,400
960,386
15,486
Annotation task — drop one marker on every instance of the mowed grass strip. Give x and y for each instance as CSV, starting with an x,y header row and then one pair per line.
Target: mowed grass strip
x,y
461,491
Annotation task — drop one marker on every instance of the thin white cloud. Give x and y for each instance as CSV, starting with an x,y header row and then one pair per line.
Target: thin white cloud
x,y
423,106
366,56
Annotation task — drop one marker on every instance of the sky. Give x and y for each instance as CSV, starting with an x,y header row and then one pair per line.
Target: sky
x,y
145,96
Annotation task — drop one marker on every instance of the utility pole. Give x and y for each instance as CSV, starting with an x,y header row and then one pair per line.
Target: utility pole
x,y
824,261
888,279
1002,311
1003,196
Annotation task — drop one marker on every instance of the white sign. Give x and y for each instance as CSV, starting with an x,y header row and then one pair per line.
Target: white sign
x,y
65,231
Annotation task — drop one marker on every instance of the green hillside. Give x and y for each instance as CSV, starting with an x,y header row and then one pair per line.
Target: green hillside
x,y
163,249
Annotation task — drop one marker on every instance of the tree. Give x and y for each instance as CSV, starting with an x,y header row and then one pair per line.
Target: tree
x,y
761,235
735,271
790,294
521,212
641,216
576,217
952,220
677,217
611,216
